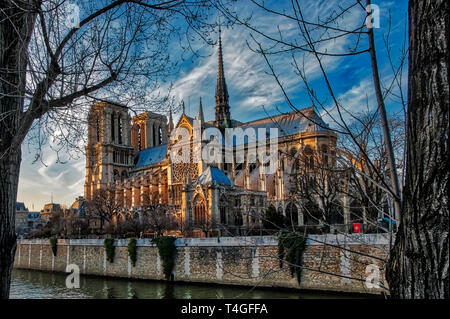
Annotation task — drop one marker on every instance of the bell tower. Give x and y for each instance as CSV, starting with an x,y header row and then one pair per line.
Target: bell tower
x,y
109,151
149,130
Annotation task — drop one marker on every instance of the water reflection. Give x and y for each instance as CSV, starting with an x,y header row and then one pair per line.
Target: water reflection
x,y
36,285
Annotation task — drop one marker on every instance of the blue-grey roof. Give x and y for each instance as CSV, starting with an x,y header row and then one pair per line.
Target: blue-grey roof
x,y
20,207
32,216
151,155
287,124
211,175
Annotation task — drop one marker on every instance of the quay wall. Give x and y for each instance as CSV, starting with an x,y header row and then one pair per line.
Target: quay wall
x,y
330,262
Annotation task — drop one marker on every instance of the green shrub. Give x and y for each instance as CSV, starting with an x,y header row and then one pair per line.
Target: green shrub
x,y
132,251
166,248
110,249
291,246
54,244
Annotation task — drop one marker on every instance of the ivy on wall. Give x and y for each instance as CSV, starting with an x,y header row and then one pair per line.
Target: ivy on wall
x,y
54,245
290,248
110,249
132,251
166,248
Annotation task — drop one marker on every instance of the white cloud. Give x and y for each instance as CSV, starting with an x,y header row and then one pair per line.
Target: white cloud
x,y
37,182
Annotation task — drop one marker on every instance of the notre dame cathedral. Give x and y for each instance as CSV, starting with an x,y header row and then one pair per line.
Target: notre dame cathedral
x,y
132,154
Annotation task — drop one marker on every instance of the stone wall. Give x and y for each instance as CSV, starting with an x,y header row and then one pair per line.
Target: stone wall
x,y
331,262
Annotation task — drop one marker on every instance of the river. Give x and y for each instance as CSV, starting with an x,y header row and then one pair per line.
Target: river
x,y
32,284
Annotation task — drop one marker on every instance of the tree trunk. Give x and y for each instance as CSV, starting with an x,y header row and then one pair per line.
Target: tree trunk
x,y
16,25
9,178
419,262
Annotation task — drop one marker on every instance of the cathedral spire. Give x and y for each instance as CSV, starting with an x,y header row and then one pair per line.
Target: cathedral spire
x,y
170,125
222,107
200,112
182,103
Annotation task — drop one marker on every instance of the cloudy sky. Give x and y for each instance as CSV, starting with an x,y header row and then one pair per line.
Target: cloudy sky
x,y
253,92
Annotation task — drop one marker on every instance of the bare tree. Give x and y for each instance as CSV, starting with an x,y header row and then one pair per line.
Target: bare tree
x,y
314,40
159,218
52,66
318,182
105,205
420,260
311,42
206,225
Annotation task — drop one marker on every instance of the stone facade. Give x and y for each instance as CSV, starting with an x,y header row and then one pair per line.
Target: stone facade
x,y
342,264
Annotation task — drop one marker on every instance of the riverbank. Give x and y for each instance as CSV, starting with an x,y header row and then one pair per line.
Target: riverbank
x,y
239,261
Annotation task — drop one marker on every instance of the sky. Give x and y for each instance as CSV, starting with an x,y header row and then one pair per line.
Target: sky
x,y
253,92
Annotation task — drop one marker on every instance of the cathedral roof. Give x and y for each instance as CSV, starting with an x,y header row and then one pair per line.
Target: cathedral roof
x,y
288,123
213,175
151,155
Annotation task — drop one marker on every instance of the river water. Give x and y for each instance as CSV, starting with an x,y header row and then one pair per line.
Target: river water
x,y
31,284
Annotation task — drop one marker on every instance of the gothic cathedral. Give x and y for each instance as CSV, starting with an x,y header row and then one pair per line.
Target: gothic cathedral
x,y
132,156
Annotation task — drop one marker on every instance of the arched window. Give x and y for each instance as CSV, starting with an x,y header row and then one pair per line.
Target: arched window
x,y
199,210
253,217
160,134
274,189
223,210
116,175
124,176
120,129
112,128
356,211
98,129
139,137
308,157
238,221
324,150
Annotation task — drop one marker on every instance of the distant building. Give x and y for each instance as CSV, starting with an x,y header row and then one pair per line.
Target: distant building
x,y
79,213
50,210
77,209
21,218
35,221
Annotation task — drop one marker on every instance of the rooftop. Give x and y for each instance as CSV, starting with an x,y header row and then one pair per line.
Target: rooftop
x,y
213,175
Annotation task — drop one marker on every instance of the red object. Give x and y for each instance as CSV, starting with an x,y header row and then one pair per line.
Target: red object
x,y
356,228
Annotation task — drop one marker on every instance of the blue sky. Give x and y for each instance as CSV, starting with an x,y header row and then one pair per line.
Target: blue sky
x,y
252,91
